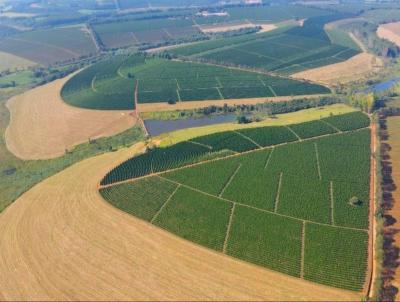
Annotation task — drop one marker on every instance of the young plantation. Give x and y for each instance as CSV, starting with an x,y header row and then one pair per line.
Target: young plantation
x,y
111,84
278,197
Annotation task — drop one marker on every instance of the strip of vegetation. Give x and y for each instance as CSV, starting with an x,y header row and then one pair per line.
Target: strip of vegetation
x,y
256,111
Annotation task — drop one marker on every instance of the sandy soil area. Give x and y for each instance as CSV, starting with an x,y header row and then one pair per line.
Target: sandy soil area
x,y
356,67
43,126
149,107
390,31
61,241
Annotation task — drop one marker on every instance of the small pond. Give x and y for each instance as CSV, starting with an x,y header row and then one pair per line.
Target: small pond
x,y
380,87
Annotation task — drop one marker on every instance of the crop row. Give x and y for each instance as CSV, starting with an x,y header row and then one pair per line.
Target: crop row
x,y
332,256
353,149
292,180
335,257
283,50
156,160
142,198
110,84
133,32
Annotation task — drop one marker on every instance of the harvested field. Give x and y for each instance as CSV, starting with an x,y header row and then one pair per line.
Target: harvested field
x,y
12,62
42,126
114,256
390,31
50,45
356,67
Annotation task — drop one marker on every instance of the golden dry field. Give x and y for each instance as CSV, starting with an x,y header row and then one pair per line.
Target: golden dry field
x,y
43,126
61,241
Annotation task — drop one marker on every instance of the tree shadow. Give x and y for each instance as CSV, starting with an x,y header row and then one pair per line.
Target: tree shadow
x,y
390,249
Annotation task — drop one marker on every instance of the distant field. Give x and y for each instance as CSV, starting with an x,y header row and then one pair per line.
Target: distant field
x,y
285,50
129,4
264,14
111,84
152,31
390,31
340,37
284,204
12,62
50,46
175,26
6,30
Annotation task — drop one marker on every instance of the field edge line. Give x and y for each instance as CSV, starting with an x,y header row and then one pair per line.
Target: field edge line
x,y
228,229
165,203
229,180
278,192
303,244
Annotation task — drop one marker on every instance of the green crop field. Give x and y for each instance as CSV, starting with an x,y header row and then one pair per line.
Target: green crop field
x,y
283,200
50,45
285,50
110,84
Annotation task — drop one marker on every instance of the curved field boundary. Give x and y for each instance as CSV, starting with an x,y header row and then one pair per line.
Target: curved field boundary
x,y
42,126
161,173
390,31
61,241
113,93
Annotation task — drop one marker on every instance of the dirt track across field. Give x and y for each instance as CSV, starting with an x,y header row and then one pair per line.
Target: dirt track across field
x,y
349,70
42,126
390,31
61,240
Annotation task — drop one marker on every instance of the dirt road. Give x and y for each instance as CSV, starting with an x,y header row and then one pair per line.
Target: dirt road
x,y
61,241
371,271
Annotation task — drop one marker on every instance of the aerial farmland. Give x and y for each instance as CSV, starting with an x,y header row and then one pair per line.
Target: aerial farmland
x,y
199,150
